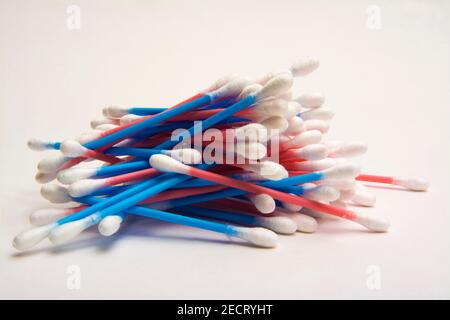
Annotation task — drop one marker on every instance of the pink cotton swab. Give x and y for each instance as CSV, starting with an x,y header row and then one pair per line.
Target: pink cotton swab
x,y
167,164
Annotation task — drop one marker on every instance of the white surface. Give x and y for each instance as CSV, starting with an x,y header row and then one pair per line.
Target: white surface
x,y
389,88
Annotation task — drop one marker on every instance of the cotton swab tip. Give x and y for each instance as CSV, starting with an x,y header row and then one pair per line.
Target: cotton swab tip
x,y
72,148
260,237
109,225
84,187
342,171
72,175
69,230
42,177
30,238
115,112
321,193
276,86
165,163
305,223
311,100
36,144
313,152
412,183
52,163
263,202
303,67
350,150
278,224
374,223
55,193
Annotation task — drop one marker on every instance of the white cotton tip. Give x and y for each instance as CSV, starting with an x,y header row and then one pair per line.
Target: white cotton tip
x,y
72,148
290,207
89,136
39,144
85,187
312,152
311,100
230,89
305,223
278,224
263,202
251,150
106,127
221,82
129,118
30,238
187,156
109,225
303,139
315,214
42,177
374,223
272,107
45,216
321,113
363,197
249,90
276,86
342,171
314,165
268,170
296,125
333,144
320,125
52,163
269,76
260,237
293,110
346,195
286,96
349,150
55,193
69,230
303,67
320,193
276,123
412,183
252,132
165,163
115,112
96,122
72,175
339,203
341,184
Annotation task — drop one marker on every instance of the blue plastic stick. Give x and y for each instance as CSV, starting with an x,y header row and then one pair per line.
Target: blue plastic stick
x,y
173,218
233,217
131,130
207,123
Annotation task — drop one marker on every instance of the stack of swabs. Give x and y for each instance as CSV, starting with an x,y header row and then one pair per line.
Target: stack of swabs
x,y
241,158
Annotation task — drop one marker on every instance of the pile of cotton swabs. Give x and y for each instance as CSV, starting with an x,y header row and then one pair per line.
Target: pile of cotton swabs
x,y
242,158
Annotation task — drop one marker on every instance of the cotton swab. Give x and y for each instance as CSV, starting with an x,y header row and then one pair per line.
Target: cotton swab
x,y
258,236
167,164
412,183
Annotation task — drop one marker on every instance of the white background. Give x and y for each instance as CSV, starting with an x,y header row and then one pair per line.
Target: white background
x,y
389,88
